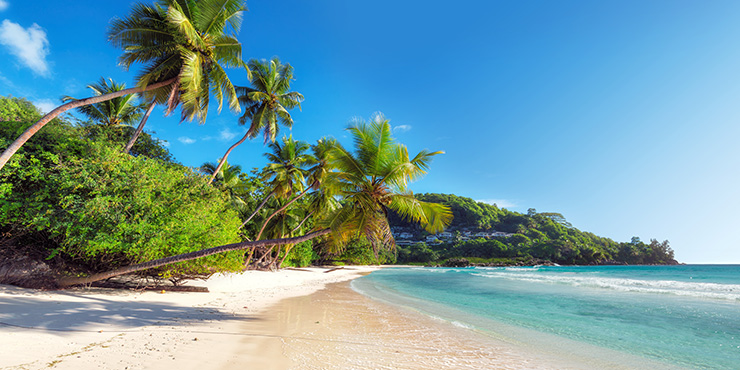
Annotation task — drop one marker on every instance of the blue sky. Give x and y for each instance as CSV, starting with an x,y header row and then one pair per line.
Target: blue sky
x,y
621,115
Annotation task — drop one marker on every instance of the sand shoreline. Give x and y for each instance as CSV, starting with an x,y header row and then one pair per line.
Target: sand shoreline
x,y
291,319
120,329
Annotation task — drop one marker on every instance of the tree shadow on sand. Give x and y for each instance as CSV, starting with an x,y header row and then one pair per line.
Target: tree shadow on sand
x,y
83,313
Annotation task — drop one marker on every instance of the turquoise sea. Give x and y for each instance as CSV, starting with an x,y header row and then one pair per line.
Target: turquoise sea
x,y
685,316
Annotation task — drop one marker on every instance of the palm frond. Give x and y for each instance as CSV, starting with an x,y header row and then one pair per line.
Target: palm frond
x,y
434,217
215,14
177,17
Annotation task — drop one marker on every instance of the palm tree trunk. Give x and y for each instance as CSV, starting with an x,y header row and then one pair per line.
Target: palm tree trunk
x,y
69,281
223,160
140,128
302,221
264,255
281,209
288,248
18,143
258,209
249,257
275,258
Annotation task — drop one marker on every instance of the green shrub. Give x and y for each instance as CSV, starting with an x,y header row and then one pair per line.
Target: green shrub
x,y
107,209
17,110
360,252
301,255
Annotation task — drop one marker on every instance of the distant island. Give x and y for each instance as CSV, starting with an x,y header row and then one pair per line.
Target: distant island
x,y
486,235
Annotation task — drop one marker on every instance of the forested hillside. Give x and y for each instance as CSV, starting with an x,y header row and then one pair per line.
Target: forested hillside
x,y
529,237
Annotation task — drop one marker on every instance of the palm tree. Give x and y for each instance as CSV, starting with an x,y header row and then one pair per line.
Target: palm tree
x,y
373,180
281,226
184,44
285,173
229,180
321,199
267,102
319,168
370,181
187,40
121,111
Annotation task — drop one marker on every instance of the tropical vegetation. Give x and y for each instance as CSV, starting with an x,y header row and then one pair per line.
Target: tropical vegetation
x,y
94,211
529,238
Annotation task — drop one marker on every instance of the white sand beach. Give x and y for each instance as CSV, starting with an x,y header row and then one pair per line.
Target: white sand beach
x,y
99,328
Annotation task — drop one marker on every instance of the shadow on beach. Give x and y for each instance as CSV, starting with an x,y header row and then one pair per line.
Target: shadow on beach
x,y
99,310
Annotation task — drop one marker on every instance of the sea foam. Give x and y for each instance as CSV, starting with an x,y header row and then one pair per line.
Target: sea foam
x,y
680,288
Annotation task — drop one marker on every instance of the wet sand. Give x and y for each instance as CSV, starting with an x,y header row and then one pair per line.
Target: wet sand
x,y
338,328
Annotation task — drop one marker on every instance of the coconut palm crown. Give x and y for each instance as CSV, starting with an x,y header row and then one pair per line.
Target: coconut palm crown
x,y
286,171
191,41
374,179
121,111
267,102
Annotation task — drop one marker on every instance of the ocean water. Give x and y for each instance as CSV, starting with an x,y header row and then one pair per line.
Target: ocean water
x,y
685,316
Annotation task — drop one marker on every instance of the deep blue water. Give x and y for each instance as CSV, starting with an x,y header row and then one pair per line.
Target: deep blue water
x,y
687,316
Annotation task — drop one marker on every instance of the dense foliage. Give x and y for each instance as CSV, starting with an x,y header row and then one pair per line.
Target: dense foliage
x,y
545,236
101,209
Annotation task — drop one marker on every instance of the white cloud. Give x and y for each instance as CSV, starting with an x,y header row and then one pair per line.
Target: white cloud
x,y
164,143
226,135
185,140
3,5
402,128
45,105
29,45
501,203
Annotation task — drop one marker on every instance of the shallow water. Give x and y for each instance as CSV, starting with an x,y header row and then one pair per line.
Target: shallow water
x,y
677,316
338,328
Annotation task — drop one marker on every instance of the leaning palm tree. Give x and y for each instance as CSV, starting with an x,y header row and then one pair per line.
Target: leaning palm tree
x,y
281,226
189,41
321,199
285,172
373,180
370,181
184,46
320,166
120,111
267,102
